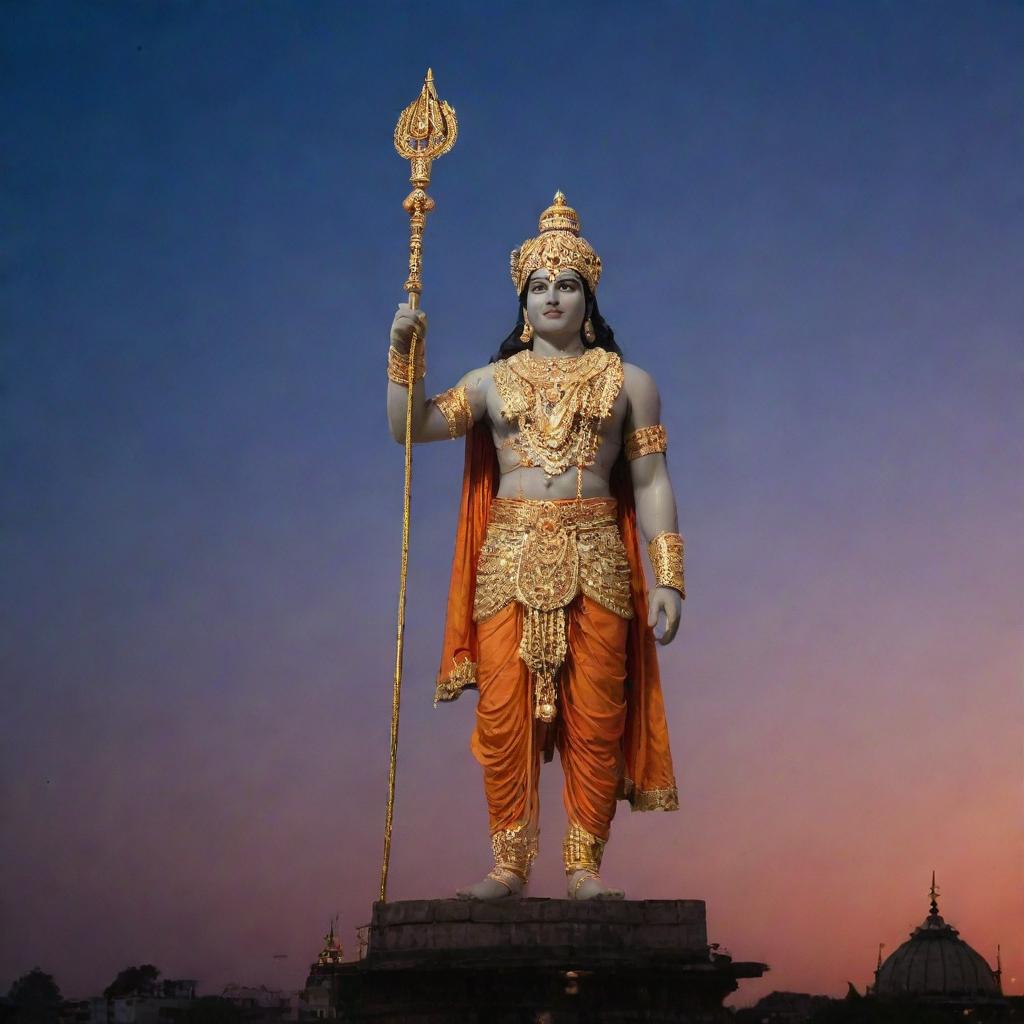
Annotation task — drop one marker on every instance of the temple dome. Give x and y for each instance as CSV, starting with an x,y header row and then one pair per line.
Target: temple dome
x,y
935,964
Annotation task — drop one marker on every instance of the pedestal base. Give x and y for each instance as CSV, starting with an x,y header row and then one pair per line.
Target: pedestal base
x,y
554,961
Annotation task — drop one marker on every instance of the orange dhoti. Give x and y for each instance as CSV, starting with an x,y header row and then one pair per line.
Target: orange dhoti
x,y
546,617
588,730
552,605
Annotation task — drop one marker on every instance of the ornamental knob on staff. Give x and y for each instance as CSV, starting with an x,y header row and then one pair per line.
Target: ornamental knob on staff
x,y
426,130
548,614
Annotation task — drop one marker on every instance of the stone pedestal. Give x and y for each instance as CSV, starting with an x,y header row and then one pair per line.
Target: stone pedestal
x,y
537,960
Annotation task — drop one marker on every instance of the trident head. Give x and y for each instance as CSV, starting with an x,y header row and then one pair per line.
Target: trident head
x,y
426,129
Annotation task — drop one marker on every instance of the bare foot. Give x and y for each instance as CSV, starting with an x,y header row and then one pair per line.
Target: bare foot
x,y
499,884
587,885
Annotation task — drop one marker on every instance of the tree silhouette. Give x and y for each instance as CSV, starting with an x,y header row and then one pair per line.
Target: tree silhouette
x,y
132,981
37,998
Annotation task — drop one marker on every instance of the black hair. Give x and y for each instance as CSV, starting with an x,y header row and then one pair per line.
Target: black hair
x,y
604,336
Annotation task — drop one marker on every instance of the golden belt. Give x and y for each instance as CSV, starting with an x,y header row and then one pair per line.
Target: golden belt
x,y
525,514
542,554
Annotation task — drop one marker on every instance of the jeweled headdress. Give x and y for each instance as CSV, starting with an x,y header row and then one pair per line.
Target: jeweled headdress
x,y
558,247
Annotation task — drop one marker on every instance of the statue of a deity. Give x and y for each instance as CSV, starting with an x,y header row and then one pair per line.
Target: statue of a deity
x,y
548,613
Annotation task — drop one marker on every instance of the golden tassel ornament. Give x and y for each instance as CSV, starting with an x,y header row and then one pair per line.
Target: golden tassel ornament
x,y
426,130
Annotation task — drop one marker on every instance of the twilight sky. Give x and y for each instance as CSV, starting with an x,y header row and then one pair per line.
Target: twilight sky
x,y
811,218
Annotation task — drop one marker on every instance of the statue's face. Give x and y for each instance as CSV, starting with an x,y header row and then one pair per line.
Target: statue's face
x,y
556,307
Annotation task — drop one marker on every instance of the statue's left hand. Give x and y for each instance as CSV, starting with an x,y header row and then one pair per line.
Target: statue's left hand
x,y
665,604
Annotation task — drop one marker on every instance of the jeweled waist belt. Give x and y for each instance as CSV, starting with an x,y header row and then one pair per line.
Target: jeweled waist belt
x,y
522,514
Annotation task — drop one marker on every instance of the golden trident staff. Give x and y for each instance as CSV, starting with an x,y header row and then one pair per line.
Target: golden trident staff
x,y
426,129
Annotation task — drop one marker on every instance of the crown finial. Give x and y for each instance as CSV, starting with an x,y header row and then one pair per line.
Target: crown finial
x,y
560,216
933,893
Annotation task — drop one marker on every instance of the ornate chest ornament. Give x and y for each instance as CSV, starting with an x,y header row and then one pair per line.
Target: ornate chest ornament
x,y
558,405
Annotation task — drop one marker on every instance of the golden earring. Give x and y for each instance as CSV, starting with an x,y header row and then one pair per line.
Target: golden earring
x,y
588,331
527,336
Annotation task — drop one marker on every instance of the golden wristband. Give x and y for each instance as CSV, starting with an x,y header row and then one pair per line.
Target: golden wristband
x,y
666,554
646,441
398,366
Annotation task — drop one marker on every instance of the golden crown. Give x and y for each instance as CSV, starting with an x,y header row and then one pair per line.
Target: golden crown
x,y
558,247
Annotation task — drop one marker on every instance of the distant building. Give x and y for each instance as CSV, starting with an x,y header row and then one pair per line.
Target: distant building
x,y
937,968
319,999
782,1008
262,1004
76,1011
101,1011
161,1002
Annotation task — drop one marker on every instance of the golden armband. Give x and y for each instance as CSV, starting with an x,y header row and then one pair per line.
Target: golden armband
x,y
666,554
454,406
398,366
646,441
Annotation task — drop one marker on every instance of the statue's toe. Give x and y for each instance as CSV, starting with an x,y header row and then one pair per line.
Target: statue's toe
x,y
496,885
588,885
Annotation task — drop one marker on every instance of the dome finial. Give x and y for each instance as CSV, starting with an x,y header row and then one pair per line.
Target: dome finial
x,y
933,893
332,952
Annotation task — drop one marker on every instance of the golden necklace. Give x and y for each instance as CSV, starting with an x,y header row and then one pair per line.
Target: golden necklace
x,y
558,405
